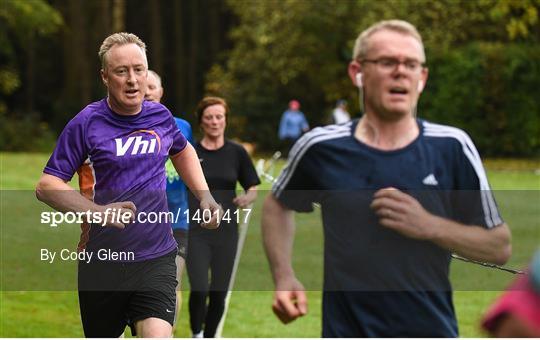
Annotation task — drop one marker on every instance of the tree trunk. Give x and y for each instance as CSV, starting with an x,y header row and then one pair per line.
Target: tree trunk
x,y
30,83
105,17
193,83
156,39
179,53
214,29
79,40
76,91
119,16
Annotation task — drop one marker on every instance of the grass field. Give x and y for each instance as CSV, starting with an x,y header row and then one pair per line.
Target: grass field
x,y
39,300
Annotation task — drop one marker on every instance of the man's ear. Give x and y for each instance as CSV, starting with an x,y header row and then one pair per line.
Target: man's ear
x,y
423,80
104,77
354,70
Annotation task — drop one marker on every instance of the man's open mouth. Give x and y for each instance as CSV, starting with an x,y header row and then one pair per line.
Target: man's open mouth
x,y
399,90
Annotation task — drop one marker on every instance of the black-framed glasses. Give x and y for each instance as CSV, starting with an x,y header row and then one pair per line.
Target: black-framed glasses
x,y
390,64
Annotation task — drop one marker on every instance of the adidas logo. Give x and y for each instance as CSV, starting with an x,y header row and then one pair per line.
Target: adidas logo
x,y
430,180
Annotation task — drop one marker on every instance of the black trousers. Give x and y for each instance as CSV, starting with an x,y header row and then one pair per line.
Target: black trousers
x,y
210,252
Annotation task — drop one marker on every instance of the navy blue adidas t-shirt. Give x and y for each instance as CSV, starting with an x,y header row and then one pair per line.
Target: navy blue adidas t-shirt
x,y
376,281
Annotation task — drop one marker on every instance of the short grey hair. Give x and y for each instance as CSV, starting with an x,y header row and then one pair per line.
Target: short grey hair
x,y
121,38
361,45
156,75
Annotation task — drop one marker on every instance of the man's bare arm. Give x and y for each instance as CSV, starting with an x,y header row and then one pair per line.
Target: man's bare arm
x,y
57,194
474,242
290,301
404,214
187,164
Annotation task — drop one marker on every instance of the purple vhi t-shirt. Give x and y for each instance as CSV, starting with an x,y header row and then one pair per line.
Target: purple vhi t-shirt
x,y
121,158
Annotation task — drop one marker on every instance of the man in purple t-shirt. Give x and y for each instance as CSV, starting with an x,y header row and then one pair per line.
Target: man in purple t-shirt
x,y
119,146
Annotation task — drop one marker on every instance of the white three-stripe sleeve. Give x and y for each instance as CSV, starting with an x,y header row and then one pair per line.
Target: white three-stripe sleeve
x,y
491,213
300,148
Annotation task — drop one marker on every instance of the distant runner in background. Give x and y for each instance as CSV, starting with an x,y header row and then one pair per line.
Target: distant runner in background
x,y
177,194
340,114
292,125
211,254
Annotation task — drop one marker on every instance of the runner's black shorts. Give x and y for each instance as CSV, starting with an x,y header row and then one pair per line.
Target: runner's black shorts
x,y
113,295
181,237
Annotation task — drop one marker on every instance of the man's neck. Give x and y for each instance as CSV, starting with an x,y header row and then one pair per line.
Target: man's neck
x,y
122,112
386,135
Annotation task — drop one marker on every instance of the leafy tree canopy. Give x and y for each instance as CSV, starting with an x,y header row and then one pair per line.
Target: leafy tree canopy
x,y
300,49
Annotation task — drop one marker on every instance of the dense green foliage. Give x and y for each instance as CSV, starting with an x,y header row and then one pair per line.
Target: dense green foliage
x,y
26,133
491,91
478,51
49,68
21,22
482,54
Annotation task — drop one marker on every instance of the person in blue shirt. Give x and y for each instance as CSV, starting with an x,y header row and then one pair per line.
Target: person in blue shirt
x,y
177,193
398,196
292,125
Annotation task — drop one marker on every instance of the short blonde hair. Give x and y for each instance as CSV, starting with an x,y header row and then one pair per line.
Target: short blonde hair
x,y
121,38
361,45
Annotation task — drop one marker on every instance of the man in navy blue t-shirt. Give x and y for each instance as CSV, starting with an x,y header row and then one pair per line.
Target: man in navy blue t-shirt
x,y
398,195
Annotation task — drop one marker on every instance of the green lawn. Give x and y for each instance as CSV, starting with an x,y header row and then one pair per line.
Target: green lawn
x,y
39,300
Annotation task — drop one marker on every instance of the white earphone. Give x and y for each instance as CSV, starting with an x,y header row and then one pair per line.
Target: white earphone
x,y
420,86
359,79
